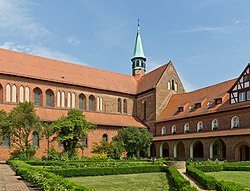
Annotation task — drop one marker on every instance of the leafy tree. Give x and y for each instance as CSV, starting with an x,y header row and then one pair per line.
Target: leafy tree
x,y
134,139
70,129
112,150
19,125
47,132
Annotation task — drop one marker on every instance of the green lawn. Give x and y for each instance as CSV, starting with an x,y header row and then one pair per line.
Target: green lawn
x,y
240,177
129,182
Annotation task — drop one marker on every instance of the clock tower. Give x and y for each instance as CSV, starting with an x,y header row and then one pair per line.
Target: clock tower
x,y
138,59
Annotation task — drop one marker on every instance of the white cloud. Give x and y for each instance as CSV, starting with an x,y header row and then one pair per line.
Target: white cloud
x,y
73,40
41,51
203,29
16,19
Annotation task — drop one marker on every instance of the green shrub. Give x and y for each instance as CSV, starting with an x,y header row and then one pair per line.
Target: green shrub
x,y
46,180
207,181
228,186
236,168
210,168
74,172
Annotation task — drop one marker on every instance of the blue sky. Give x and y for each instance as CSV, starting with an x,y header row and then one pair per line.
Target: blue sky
x,y
207,40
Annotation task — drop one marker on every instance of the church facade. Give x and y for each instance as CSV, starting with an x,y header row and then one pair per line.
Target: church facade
x,y
208,123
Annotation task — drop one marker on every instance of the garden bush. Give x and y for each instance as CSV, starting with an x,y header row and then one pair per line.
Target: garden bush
x,y
207,181
227,167
228,186
210,168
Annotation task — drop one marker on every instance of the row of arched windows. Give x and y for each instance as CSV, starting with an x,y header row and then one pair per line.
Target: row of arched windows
x,y
119,105
11,93
172,85
235,123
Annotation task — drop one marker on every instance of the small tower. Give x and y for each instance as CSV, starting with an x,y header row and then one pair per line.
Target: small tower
x,y
138,59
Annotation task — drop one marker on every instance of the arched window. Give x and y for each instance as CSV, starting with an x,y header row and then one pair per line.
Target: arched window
x,y
13,93
144,105
235,122
169,85
100,103
63,99
6,141
105,138
21,94
49,98
8,93
84,142
119,105
175,87
186,128
35,139
125,106
172,85
215,124
91,103
27,94
69,99
163,131
199,126
82,102
173,129
73,100
38,99
1,93
58,103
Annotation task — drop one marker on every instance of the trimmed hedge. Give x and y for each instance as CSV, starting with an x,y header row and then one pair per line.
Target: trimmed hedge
x,y
210,168
228,186
74,172
207,181
46,180
236,168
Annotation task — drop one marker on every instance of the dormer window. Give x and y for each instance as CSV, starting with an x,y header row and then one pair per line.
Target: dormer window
x,y
198,105
180,109
218,101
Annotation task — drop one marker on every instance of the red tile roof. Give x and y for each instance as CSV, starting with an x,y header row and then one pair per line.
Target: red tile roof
x,y
47,114
199,135
204,95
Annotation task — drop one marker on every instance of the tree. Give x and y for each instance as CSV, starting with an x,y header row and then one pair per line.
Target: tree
x,y
134,139
70,129
19,125
48,131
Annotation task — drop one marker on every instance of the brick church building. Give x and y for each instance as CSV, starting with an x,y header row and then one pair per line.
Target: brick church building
x,y
208,123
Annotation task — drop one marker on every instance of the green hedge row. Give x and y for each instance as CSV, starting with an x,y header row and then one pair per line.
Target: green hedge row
x,y
207,181
236,168
210,168
100,171
210,182
45,180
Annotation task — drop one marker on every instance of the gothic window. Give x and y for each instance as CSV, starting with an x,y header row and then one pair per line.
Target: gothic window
x,y
124,106
82,102
105,138
58,99
49,98
21,94
91,103
68,99
173,85
35,139
27,94
119,105
73,100
6,141
144,106
235,122
163,131
169,85
38,97
8,93
186,128
13,93
199,126
215,124
63,99
1,93
99,103
173,129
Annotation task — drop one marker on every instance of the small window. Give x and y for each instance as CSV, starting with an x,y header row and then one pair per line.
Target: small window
x,y
84,142
176,87
91,102
180,109
169,85
209,103
215,124
218,101
163,131
248,95
173,85
186,128
124,106
198,105
105,138
38,101
6,141
35,139
119,105
173,129
242,96
199,126
49,98
144,104
235,122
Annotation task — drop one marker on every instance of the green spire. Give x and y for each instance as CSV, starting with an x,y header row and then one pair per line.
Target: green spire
x,y
138,50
